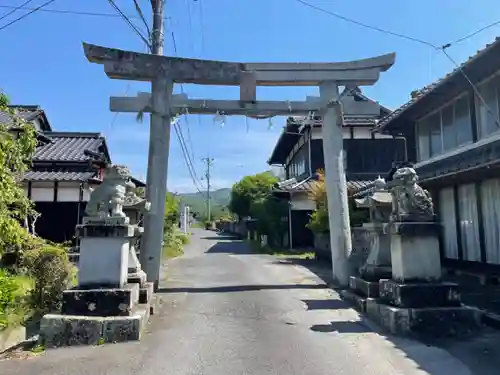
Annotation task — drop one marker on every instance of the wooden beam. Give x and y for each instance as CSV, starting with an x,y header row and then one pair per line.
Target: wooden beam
x,y
181,105
129,65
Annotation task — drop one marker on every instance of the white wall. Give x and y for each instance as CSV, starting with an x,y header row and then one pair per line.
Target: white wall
x,y
43,191
68,192
359,133
301,201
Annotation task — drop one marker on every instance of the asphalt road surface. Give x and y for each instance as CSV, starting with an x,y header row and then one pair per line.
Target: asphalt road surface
x,y
226,311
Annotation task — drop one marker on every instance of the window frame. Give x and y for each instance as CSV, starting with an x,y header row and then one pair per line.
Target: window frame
x,y
422,120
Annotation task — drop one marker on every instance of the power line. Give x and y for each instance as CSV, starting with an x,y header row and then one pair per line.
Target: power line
x,y
129,23
141,15
476,32
365,25
442,48
190,19
72,12
189,164
15,9
396,34
26,14
190,141
202,26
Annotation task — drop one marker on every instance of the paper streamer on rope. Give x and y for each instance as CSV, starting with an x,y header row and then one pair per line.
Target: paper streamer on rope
x,y
220,118
270,123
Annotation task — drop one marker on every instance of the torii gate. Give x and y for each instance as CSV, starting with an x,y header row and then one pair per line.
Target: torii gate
x,y
127,65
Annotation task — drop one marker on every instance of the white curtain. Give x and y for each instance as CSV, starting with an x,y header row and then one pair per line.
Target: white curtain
x,y
469,222
448,219
490,204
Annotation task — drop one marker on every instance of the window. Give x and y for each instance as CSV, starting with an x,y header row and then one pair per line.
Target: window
x,y
434,123
487,108
448,217
444,130
299,163
490,202
469,223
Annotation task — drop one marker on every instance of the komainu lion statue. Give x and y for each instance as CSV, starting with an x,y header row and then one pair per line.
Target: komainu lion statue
x,y
409,200
110,194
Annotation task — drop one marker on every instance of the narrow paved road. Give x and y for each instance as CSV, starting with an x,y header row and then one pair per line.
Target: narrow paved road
x,y
227,311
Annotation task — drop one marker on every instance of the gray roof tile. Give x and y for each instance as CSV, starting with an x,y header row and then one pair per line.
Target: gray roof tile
x,y
306,185
57,176
68,146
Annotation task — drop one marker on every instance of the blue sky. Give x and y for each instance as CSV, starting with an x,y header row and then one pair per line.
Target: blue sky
x,y
42,63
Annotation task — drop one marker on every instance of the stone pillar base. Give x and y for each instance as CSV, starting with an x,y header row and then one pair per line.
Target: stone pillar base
x,y
138,277
98,316
427,322
58,330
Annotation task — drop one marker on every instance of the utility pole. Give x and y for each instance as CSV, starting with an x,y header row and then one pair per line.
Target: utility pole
x,y
209,162
159,144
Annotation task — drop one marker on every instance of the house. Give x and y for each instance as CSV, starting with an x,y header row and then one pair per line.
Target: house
x,y
62,173
300,151
452,127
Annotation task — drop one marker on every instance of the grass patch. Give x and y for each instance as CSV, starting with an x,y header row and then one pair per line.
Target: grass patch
x,y
173,243
282,253
15,306
198,225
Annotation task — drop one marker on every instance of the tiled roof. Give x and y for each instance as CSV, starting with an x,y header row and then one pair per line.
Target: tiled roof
x,y
57,176
307,184
69,146
417,95
348,121
28,113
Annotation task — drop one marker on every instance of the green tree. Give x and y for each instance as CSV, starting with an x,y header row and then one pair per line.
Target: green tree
x,y
252,196
269,212
17,146
172,213
249,190
37,271
319,220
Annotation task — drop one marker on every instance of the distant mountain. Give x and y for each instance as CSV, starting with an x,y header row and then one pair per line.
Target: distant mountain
x,y
198,202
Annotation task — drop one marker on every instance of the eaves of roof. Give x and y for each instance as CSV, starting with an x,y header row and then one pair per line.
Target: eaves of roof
x,y
57,176
69,147
459,72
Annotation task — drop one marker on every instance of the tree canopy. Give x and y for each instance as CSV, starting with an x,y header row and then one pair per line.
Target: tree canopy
x,y
252,196
250,190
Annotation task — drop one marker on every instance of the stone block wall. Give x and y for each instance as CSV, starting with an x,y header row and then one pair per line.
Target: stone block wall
x,y
360,238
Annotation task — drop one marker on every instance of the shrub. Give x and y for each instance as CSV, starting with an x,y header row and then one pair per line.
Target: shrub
x,y
173,243
14,304
52,272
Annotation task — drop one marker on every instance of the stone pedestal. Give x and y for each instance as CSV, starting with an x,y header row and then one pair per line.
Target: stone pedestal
x,y
415,301
376,267
415,251
378,263
106,306
104,255
135,273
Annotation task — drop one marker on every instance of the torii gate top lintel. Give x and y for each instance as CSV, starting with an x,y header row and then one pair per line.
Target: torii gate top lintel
x,y
128,65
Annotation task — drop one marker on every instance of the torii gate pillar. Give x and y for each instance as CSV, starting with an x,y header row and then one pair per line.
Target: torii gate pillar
x,y
336,185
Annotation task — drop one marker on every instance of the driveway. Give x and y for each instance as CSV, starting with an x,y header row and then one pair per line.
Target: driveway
x,y
227,311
